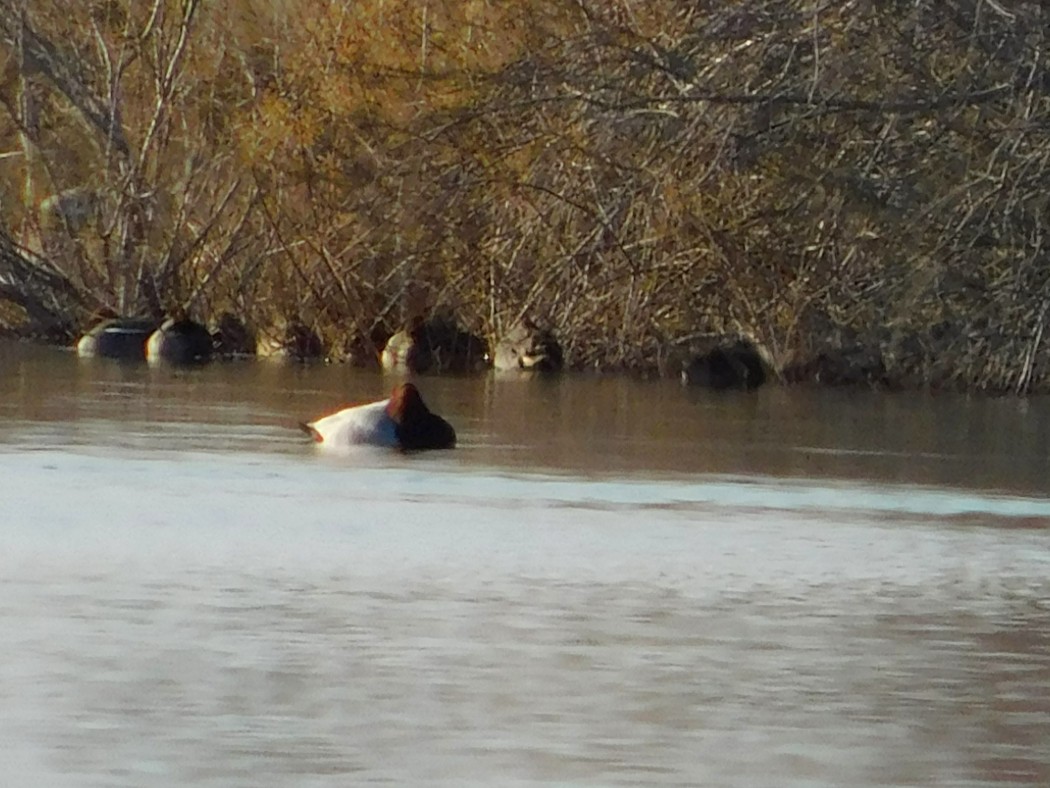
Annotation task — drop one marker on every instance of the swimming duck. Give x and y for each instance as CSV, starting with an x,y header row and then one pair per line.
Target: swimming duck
x,y
405,350
232,338
403,421
528,347
179,341
435,345
290,341
729,364
121,338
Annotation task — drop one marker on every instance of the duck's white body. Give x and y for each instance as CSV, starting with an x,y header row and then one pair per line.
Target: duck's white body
x,y
403,421
368,425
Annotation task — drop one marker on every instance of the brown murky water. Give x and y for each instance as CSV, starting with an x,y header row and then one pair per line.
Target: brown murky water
x,y
610,582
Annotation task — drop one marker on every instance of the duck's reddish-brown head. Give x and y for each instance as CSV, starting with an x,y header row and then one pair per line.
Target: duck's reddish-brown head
x,y
417,426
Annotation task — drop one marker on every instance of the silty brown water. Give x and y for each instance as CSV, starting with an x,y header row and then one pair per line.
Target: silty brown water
x,y
609,582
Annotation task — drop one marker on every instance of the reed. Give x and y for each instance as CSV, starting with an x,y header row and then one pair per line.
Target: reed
x,y
638,177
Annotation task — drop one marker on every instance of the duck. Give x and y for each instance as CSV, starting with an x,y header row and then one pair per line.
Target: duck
x,y
179,340
434,345
121,338
529,348
729,364
290,341
402,422
407,350
232,338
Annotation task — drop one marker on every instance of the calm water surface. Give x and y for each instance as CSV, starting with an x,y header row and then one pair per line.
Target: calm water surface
x,y
610,582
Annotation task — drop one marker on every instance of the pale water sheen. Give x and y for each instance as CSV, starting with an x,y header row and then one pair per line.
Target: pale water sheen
x,y
610,582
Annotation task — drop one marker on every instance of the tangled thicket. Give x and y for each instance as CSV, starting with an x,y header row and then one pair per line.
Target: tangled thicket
x,y
638,174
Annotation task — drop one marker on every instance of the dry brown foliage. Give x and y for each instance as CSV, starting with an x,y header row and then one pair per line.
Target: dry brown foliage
x,y
638,175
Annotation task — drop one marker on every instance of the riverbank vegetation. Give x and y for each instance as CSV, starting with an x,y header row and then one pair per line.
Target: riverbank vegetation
x,y
849,180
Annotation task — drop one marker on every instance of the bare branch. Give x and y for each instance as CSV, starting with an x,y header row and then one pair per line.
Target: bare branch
x,y
41,56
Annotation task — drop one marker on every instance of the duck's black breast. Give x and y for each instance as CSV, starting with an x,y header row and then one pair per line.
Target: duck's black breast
x,y
429,431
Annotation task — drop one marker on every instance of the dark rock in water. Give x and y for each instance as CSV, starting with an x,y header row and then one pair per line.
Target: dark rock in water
x,y
121,338
437,345
729,364
527,347
179,341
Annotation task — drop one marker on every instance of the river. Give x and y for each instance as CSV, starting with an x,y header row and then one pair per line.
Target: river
x,y
609,582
